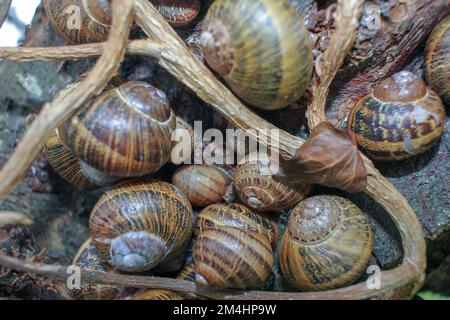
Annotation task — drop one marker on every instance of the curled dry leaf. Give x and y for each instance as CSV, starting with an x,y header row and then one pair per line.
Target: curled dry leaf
x,y
329,157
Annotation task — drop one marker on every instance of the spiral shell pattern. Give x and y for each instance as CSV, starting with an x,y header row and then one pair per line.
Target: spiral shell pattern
x,y
327,244
178,12
152,219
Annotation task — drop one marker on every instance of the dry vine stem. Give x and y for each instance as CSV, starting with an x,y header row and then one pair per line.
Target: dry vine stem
x,y
177,59
4,9
8,217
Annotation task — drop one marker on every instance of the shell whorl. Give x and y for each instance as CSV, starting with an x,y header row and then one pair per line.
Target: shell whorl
x,y
261,48
232,258
327,244
399,129
178,12
146,221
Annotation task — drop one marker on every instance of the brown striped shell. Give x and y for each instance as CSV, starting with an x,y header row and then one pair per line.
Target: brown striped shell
x,y
141,224
89,258
437,60
178,12
202,184
187,274
124,132
72,169
261,48
400,119
327,244
236,216
257,188
80,21
183,142
232,258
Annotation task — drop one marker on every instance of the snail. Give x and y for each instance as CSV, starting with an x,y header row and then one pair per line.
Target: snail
x,y
178,12
256,187
326,245
124,132
401,118
236,216
87,21
261,48
232,258
75,171
437,56
187,274
141,224
184,142
89,258
202,184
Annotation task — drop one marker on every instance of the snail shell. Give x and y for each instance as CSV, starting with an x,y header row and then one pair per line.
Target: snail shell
x,y
400,119
202,184
256,187
89,258
178,12
80,21
437,59
236,216
232,258
139,225
261,48
327,244
124,132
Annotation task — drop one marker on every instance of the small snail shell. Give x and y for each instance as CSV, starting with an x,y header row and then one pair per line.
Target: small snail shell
x,y
202,184
124,132
80,21
187,273
232,258
236,216
178,12
400,119
261,48
256,187
68,166
89,258
139,225
327,244
437,59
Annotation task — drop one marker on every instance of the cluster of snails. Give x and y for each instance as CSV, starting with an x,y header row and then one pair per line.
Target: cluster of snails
x,y
145,225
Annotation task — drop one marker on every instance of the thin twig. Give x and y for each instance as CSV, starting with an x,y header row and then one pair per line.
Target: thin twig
x,y
54,114
347,22
4,9
8,217
93,50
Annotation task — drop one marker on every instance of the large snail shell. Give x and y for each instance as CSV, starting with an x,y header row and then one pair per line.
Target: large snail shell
x,y
80,21
236,216
202,184
232,258
261,48
89,258
256,187
437,60
400,119
139,225
124,132
327,244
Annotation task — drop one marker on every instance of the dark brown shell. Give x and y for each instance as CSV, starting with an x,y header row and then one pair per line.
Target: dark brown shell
x,y
232,258
327,244
89,258
124,132
398,124
257,188
80,21
437,59
202,184
261,48
141,224
236,216
178,12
